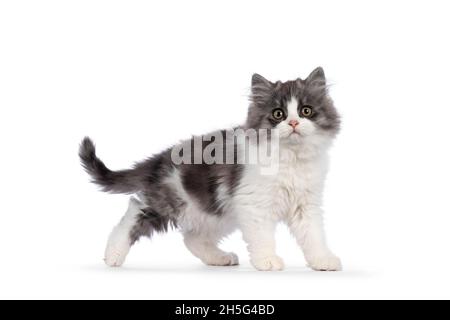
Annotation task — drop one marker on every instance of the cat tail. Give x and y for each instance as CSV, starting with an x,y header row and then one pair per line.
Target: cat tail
x,y
123,181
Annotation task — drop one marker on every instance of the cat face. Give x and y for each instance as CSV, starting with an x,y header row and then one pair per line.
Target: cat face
x,y
298,108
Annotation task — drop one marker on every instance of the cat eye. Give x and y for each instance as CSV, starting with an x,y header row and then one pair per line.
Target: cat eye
x,y
306,112
278,114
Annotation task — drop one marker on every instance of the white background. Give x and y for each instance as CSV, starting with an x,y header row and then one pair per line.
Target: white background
x,y
138,76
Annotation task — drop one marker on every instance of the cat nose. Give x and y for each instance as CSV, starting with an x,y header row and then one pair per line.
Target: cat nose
x,y
293,123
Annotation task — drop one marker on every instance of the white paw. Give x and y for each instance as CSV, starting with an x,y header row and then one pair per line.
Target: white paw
x,y
327,262
117,248
271,263
115,255
227,259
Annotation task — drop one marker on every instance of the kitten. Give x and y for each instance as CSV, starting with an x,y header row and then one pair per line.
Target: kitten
x,y
208,201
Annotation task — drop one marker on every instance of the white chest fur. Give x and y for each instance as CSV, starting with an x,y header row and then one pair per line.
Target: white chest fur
x,y
297,183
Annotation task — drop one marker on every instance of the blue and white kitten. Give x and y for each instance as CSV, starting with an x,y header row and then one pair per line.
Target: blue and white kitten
x,y
208,201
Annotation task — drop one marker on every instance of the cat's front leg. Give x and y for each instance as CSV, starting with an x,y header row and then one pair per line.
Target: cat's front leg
x,y
258,232
307,227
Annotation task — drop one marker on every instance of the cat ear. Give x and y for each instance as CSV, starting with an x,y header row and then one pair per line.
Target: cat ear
x,y
316,83
317,76
261,88
259,80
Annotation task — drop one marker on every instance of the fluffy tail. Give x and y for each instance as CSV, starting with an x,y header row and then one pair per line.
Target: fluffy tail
x,y
124,181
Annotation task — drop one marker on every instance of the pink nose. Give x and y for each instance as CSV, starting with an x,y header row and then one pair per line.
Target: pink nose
x,y
293,123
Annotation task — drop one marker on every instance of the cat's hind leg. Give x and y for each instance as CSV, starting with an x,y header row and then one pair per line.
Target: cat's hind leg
x,y
205,247
120,241
139,220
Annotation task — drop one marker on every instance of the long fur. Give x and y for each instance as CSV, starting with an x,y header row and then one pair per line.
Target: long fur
x,y
209,201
